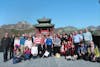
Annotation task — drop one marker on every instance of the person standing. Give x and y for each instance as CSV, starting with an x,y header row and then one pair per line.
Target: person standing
x,y
37,42
43,37
12,46
49,44
28,42
22,42
76,41
81,35
17,41
57,44
87,37
5,41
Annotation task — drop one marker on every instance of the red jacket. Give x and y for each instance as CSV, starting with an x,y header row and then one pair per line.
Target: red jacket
x,y
67,46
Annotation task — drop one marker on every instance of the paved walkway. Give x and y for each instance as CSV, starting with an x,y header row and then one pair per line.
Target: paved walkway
x,y
49,62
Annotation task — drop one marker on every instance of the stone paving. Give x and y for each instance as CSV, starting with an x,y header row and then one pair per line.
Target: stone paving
x,y
49,62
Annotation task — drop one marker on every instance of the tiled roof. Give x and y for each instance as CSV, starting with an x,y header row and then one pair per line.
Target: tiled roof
x,y
44,25
43,20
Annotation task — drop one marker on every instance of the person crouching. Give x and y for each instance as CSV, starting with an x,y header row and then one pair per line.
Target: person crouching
x,y
27,53
82,50
17,55
70,53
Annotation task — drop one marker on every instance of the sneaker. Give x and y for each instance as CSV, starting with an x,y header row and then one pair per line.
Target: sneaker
x,y
68,57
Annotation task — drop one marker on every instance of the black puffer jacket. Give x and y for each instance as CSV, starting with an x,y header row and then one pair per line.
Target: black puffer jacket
x,y
5,42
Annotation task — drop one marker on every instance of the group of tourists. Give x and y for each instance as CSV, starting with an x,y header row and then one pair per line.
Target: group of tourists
x,y
73,46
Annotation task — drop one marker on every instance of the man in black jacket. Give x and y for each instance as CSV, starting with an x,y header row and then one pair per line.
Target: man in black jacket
x,y
5,42
11,45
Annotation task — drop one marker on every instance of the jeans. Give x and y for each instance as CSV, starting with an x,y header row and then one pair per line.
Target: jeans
x,y
16,60
27,56
76,48
34,57
40,50
11,52
49,49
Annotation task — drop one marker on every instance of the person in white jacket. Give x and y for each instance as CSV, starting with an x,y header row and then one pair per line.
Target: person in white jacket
x,y
17,41
28,42
34,51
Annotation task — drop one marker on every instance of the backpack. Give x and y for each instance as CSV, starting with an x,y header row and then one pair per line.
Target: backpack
x,y
98,59
96,51
92,57
48,41
86,57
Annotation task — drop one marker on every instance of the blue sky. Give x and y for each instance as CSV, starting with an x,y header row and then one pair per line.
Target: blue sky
x,y
78,13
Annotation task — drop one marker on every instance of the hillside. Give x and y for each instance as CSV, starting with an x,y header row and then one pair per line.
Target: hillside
x,y
21,25
25,27
66,29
